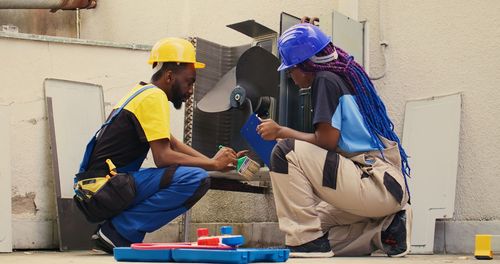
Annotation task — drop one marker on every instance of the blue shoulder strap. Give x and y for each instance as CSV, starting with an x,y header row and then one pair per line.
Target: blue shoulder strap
x,y
115,114
91,144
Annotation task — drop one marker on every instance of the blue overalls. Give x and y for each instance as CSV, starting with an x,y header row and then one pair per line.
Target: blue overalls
x,y
162,194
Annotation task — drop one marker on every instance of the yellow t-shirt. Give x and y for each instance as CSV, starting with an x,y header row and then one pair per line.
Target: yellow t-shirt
x,y
152,110
144,119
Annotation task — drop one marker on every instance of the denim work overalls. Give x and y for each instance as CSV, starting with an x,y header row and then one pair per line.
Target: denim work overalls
x,y
162,194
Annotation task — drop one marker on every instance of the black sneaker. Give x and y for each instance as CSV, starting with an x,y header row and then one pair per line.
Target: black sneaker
x,y
106,238
318,248
396,238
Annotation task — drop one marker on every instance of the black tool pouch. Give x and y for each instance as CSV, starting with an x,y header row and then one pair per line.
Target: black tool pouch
x,y
116,195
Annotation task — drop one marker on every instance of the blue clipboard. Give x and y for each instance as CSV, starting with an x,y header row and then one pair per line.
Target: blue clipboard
x,y
262,147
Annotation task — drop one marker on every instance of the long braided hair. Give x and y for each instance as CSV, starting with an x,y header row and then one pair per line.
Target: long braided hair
x,y
370,105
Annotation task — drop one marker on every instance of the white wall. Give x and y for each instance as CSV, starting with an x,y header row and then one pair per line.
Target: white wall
x,y
148,21
443,47
116,69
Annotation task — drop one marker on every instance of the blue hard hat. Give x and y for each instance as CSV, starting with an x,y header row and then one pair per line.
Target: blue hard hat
x,y
300,43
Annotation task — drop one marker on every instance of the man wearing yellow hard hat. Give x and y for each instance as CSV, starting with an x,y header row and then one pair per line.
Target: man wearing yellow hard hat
x,y
112,189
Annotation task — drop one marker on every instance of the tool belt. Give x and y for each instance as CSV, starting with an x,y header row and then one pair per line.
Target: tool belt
x,y
101,195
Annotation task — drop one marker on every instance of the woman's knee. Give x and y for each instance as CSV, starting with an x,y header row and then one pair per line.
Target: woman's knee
x,y
279,162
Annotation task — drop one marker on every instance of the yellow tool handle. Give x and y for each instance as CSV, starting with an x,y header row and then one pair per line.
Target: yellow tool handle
x,y
112,167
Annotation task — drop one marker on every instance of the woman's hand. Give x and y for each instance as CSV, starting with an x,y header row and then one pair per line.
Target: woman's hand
x,y
269,130
241,153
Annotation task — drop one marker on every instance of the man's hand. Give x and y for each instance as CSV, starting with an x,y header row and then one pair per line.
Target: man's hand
x,y
269,130
225,159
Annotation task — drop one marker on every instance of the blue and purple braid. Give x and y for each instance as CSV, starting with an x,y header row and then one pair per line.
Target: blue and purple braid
x,y
370,105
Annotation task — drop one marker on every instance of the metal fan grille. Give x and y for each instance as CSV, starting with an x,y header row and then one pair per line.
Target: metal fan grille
x,y
212,129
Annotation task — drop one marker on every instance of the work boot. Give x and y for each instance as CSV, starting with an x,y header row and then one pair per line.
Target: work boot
x,y
106,238
396,238
318,248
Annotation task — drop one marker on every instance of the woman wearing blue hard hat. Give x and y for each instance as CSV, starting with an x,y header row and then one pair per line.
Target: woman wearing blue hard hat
x,y
341,189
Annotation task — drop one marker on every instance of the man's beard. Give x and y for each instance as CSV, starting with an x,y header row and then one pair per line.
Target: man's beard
x,y
177,96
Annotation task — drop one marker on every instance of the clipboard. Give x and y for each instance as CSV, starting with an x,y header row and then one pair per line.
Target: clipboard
x,y
261,147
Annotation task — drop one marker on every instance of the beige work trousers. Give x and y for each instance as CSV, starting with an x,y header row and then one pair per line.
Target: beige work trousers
x,y
354,198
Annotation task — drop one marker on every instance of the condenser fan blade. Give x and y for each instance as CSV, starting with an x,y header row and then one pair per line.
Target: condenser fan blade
x,y
217,99
256,72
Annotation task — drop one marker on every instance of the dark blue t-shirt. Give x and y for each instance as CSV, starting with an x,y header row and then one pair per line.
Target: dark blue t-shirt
x,y
334,103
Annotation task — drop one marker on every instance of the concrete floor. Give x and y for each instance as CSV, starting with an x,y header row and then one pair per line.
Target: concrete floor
x,y
95,257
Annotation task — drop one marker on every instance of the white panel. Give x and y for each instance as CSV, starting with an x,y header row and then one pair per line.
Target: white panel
x,y
287,21
5,186
348,34
78,111
431,139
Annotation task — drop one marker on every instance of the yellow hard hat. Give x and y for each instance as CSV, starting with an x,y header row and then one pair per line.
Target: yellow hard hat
x,y
174,50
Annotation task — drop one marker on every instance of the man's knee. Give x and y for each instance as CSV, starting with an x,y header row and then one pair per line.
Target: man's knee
x,y
204,185
279,163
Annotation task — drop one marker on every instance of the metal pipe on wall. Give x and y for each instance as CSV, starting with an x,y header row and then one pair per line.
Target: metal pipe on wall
x,y
47,4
